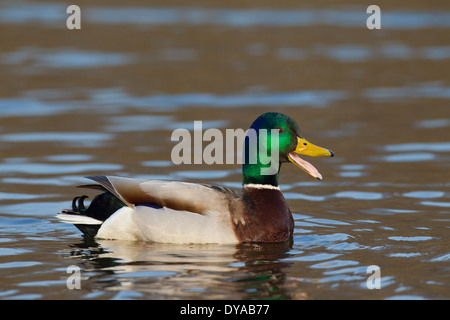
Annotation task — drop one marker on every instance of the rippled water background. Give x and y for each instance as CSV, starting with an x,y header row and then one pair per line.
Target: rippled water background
x,y
105,99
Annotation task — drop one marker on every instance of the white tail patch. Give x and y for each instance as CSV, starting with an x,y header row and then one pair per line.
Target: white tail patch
x,y
77,219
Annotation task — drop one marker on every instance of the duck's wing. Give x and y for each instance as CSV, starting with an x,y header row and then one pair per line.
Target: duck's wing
x,y
183,196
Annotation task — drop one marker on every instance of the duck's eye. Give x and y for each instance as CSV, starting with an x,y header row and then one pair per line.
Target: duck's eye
x,y
305,144
280,130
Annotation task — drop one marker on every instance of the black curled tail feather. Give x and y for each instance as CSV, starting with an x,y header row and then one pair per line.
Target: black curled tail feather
x,y
78,205
101,208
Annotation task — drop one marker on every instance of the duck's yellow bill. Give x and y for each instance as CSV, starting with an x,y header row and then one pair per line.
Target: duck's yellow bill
x,y
308,149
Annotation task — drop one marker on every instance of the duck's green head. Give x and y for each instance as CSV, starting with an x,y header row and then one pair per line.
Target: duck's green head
x,y
272,139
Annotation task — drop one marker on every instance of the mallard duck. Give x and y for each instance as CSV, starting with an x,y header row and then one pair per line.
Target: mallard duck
x,y
182,212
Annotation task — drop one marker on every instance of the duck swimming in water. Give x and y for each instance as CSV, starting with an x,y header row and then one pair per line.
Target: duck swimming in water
x,y
182,212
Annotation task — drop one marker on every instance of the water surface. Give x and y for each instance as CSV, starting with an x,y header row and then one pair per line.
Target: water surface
x,y
105,100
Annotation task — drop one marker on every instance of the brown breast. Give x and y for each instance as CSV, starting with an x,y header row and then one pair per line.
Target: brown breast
x,y
262,215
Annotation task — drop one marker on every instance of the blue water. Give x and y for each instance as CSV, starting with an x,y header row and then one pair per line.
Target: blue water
x,y
105,100
51,14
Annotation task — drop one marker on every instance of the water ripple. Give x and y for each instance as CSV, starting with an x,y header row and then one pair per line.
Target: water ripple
x,y
313,98
86,139
31,106
336,263
424,194
436,204
53,14
63,58
360,195
55,169
418,146
412,238
409,157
